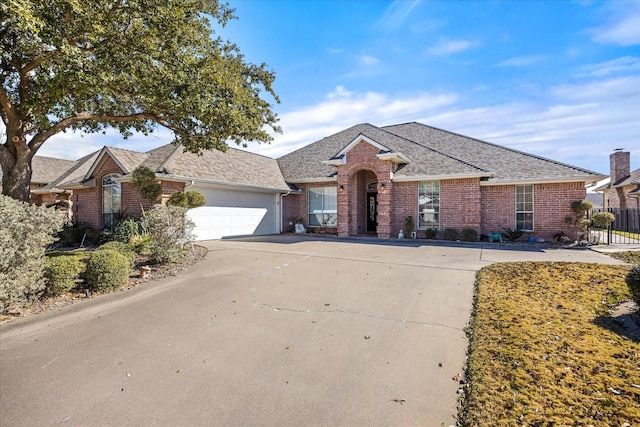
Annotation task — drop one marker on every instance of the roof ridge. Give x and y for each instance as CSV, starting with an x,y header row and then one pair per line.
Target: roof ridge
x,y
505,148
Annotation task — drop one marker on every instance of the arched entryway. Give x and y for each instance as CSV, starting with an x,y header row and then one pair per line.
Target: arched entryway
x,y
363,203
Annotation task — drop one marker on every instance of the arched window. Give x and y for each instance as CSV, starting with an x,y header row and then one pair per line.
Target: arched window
x,y
111,200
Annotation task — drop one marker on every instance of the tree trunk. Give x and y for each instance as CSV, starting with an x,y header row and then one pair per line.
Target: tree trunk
x,y
16,172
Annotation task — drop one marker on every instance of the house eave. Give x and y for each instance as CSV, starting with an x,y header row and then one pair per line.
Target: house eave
x,y
409,178
395,157
314,180
556,180
222,184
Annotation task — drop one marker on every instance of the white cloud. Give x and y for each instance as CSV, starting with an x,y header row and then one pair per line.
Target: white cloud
x,y
396,14
369,60
580,123
448,47
625,64
625,32
340,92
521,61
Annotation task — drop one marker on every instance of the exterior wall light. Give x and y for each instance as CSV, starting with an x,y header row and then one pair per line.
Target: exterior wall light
x,y
341,188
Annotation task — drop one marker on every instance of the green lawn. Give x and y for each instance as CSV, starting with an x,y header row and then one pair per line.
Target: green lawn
x,y
545,351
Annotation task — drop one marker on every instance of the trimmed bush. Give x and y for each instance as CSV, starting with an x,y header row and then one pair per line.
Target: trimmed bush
x,y
191,199
450,234
430,233
170,230
25,231
602,219
107,269
122,248
61,272
469,235
633,281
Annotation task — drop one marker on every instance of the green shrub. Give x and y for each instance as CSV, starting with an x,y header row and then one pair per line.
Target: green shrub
x,y
408,226
469,235
107,269
25,231
170,230
633,281
128,229
430,233
450,234
61,272
512,235
602,219
141,244
191,199
123,248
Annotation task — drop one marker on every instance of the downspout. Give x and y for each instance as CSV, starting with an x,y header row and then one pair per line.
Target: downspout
x,y
190,185
282,196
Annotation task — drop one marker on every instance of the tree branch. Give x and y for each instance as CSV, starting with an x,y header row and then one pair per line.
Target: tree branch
x,y
41,137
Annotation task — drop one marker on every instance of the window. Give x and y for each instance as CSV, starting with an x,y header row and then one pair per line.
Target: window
x,y
111,200
323,207
428,204
524,207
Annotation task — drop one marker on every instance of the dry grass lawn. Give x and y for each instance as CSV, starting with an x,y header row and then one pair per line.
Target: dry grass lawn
x,y
545,350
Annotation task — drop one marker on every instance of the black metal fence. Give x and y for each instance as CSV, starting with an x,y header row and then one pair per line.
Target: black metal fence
x,y
625,230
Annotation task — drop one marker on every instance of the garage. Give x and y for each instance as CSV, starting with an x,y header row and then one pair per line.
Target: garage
x,y
235,212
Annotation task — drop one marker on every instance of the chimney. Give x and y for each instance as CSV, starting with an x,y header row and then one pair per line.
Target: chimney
x,y
620,166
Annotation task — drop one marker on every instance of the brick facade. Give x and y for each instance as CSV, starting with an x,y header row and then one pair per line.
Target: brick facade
x,y
464,203
86,203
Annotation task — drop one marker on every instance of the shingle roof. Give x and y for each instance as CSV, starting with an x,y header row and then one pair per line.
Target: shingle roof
x,y
47,169
233,167
75,175
507,164
306,163
431,152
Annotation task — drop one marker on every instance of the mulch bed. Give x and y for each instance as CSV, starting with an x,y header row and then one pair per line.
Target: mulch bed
x,y
78,294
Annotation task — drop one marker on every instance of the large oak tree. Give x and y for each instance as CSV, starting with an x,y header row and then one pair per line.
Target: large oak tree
x,y
131,65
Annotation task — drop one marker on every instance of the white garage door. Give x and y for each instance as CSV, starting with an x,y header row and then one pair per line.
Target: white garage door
x,y
234,213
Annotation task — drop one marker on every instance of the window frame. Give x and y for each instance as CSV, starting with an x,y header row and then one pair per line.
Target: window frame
x,y
524,207
113,187
435,207
324,210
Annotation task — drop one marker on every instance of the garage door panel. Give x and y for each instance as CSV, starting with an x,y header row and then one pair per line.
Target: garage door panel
x,y
234,213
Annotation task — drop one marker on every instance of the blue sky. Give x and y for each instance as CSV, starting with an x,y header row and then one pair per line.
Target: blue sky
x,y
559,79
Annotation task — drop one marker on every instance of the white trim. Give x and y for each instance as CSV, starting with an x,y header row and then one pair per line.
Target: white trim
x,y
357,140
98,161
542,181
435,177
222,184
336,162
533,208
314,180
395,157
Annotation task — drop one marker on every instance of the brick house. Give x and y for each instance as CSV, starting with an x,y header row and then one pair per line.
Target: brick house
x,y
364,180
242,189
623,189
368,179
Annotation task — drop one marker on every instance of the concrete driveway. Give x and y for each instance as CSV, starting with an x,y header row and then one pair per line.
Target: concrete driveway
x,y
266,331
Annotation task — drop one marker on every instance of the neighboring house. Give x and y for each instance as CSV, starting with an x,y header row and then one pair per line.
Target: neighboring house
x,y
623,189
363,180
368,179
243,190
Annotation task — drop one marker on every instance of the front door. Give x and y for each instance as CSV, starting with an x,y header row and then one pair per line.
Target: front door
x,y
372,212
